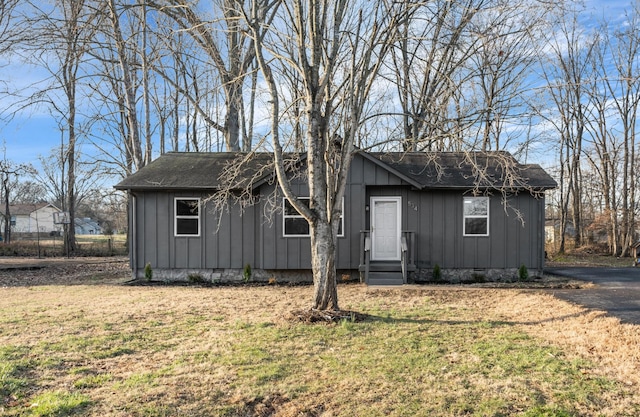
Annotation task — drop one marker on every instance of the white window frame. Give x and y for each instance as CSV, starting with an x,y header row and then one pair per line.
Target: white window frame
x,y
176,216
286,216
474,216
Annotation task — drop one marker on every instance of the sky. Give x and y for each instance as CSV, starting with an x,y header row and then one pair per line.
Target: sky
x,y
33,133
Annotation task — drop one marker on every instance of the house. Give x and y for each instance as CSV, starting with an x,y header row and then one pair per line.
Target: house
x,y
87,226
32,218
477,215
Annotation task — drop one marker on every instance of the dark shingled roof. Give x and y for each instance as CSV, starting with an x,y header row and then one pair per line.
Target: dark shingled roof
x,y
467,170
195,170
208,171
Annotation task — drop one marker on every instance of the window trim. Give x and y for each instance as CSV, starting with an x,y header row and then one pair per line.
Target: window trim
x,y
286,216
484,216
176,216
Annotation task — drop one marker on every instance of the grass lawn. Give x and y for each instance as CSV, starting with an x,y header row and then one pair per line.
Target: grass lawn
x,y
114,350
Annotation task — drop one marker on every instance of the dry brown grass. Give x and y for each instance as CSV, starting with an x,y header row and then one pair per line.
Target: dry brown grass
x,y
159,350
615,347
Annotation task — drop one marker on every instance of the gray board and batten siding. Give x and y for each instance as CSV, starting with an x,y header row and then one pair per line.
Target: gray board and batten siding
x,y
430,187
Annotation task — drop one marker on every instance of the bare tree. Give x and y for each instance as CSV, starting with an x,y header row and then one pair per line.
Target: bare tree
x,y
9,37
604,159
428,67
614,97
336,48
566,70
51,177
61,35
225,42
8,32
28,192
128,106
10,172
134,144
510,33
623,83
460,68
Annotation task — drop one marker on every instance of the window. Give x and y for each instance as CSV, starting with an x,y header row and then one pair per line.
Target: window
x,y
296,225
187,217
476,216
13,221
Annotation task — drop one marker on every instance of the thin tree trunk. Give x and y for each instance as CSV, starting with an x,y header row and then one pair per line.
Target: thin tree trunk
x,y
145,88
70,238
7,210
130,95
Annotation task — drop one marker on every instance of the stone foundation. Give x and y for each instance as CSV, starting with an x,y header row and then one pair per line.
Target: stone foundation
x,y
302,276
232,275
469,276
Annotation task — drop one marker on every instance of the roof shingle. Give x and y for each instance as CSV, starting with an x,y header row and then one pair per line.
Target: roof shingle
x,y
210,171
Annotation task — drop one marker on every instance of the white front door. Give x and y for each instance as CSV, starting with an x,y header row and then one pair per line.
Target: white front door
x,y
385,228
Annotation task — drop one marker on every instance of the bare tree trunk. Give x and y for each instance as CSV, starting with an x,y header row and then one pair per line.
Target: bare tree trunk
x,y
564,202
145,87
70,238
576,181
323,263
232,119
129,89
247,139
7,209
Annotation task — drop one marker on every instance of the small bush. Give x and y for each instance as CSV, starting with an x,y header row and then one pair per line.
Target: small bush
x,y
246,274
148,272
437,273
523,274
478,278
196,278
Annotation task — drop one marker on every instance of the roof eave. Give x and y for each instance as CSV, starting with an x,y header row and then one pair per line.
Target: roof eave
x,y
168,188
535,188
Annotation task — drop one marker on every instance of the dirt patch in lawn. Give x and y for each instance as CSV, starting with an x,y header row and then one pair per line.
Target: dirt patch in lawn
x,y
25,272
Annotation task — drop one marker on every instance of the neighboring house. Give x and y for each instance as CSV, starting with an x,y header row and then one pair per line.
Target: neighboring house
x,y
404,213
553,233
32,218
87,226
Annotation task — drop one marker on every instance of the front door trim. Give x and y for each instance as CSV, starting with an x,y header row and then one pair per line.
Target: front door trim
x,y
378,253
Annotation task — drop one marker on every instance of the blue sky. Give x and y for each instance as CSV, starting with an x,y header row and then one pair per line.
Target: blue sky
x,y
34,132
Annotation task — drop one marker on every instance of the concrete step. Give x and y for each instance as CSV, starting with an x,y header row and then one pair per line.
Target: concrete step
x,y
385,278
391,266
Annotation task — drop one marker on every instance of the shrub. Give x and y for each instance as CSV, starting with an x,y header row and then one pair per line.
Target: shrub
x,y
148,272
196,278
437,273
523,274
478,278
246,274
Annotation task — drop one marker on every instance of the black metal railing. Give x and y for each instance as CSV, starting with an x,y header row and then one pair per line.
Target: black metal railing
x,y
407,253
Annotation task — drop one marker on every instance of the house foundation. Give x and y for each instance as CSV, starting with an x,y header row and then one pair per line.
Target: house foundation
x,y
304,276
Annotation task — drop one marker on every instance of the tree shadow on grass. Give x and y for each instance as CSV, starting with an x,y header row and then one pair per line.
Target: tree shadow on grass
x,y
487,323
